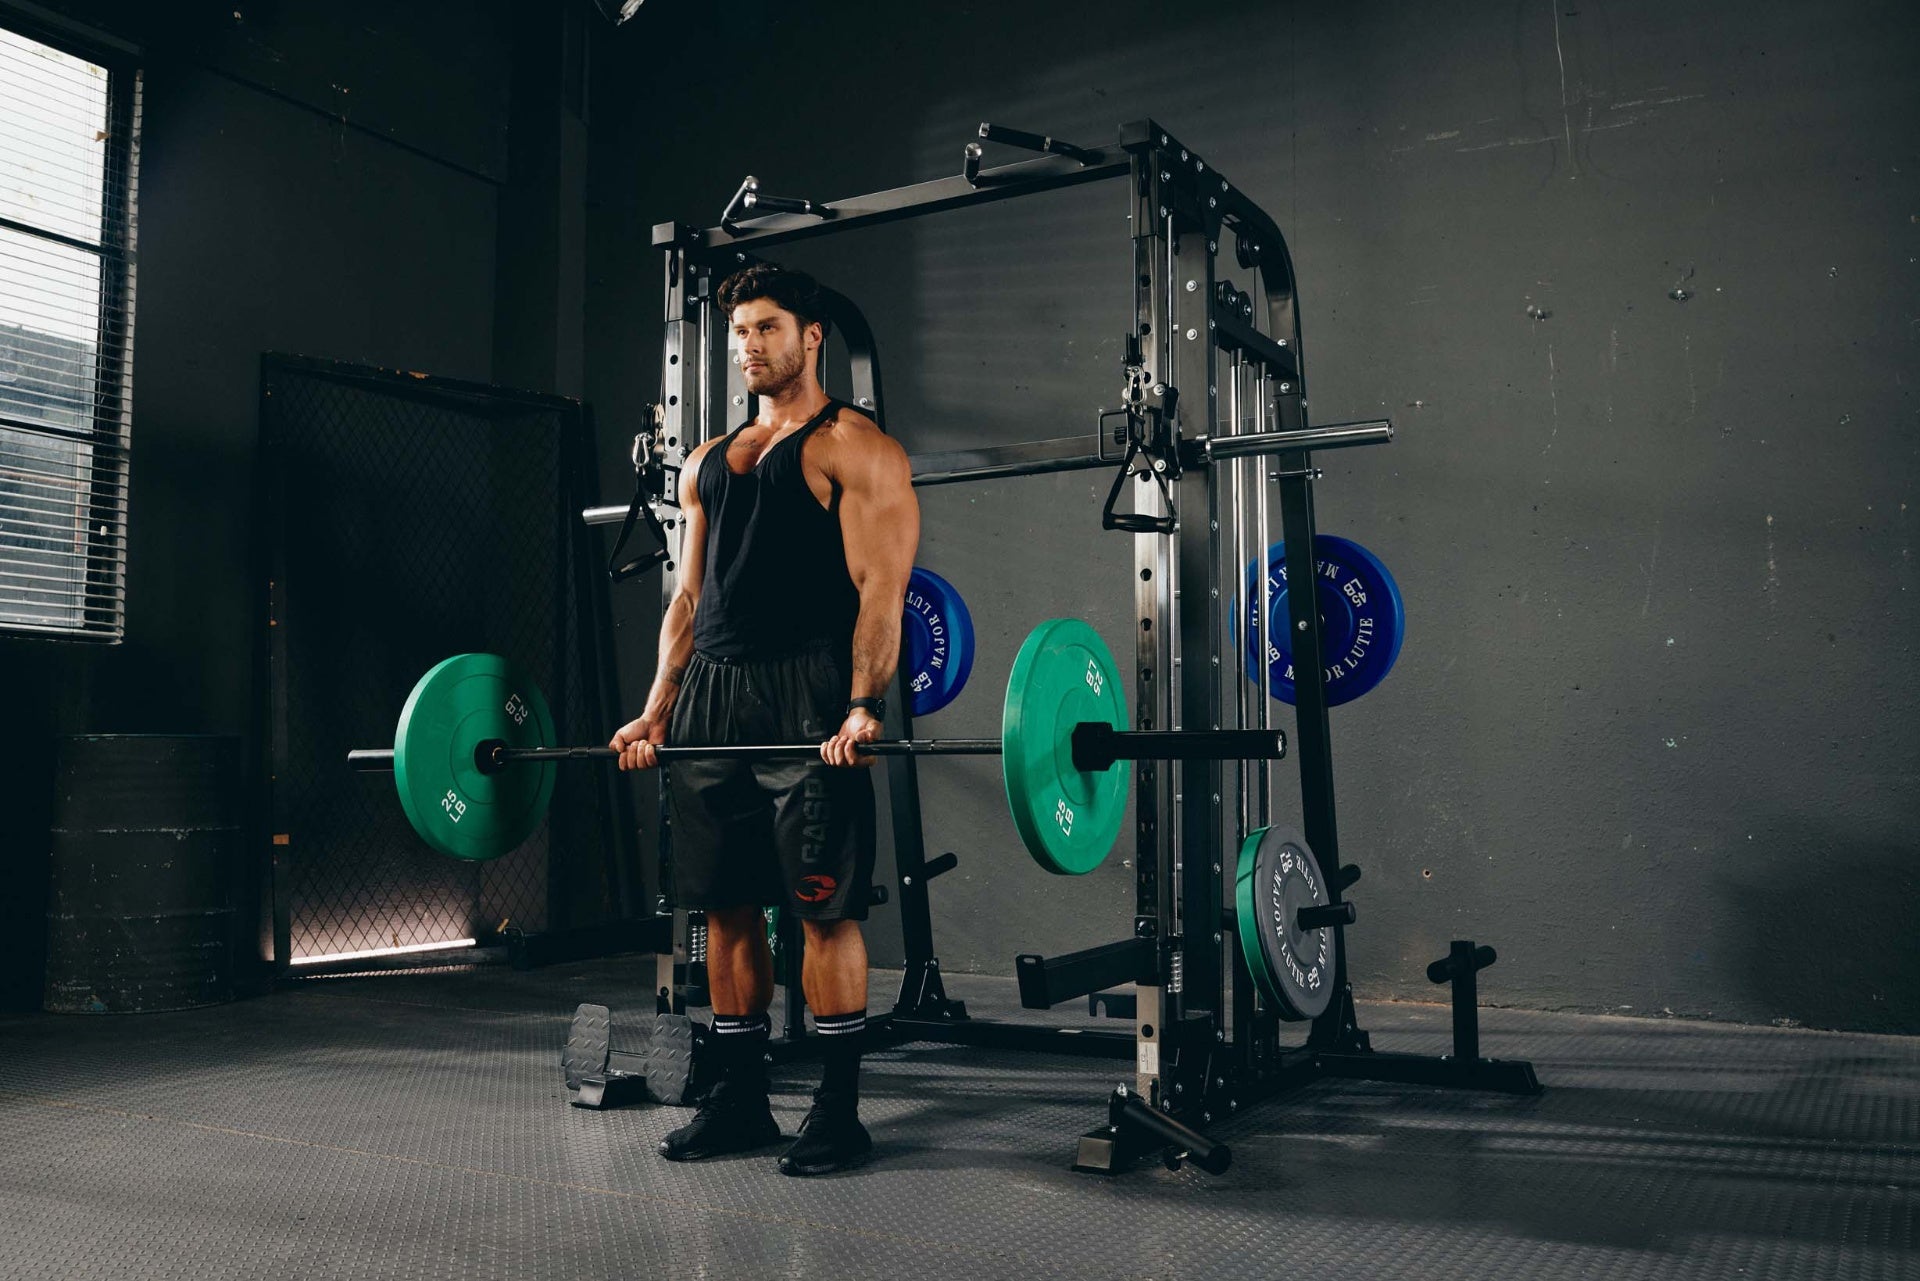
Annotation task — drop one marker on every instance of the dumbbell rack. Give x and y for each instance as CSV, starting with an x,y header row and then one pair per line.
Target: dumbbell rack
x,y
1214,422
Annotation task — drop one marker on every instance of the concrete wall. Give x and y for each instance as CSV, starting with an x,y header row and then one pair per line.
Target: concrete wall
x,y
1652,734
1653,731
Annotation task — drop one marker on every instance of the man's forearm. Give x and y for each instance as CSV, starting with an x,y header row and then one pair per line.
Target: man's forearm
x,y
676,647
876,647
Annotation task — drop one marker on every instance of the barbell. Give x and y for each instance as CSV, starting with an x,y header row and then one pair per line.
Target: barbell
x,y
474,765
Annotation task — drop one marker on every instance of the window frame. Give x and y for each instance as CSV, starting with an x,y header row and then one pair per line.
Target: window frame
x,y
102,599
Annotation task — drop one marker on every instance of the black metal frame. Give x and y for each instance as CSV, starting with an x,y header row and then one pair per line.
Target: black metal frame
x,y
1205,1042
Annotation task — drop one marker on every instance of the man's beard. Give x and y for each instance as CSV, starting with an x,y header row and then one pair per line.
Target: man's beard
x,y
780,374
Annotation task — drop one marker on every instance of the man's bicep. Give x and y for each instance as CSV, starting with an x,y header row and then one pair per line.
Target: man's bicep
x,y
691,563
881,518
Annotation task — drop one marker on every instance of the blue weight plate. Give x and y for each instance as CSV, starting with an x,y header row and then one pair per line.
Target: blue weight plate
x,y
1363,620
937,637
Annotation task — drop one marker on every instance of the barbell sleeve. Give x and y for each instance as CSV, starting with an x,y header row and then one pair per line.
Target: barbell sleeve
x,y
1323,915
1097,746
370,760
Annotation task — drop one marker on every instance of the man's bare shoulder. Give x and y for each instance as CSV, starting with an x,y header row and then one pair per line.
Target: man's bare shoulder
x,y
860,455
850,424
853,435
690,474
701,450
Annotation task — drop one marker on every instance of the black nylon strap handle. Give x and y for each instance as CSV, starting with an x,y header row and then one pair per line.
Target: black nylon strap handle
x,y
660,555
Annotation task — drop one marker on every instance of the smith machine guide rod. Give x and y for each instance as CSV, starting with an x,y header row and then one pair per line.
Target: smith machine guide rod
x,y
1203,360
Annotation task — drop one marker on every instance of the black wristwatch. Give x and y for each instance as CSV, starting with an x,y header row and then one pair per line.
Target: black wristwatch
x,y
874,707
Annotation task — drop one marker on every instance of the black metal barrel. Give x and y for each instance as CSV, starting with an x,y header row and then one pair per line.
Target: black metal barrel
x,y
146,841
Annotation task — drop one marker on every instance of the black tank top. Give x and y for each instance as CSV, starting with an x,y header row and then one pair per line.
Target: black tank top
x,y
776,574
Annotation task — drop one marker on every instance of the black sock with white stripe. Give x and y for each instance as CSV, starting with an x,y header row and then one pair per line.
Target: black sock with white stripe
x,y
842,1039
740,1049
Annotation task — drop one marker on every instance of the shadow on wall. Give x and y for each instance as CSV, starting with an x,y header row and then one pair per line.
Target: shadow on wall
x,y
23,908
40,709
1829,931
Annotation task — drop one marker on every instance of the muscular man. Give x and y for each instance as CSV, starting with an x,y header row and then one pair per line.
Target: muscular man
x,y
800,533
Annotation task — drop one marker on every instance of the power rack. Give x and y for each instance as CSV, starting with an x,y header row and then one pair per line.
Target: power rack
x,y
1211,436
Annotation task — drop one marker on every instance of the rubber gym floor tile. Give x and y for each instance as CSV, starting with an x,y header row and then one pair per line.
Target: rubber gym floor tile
x,y
416,1125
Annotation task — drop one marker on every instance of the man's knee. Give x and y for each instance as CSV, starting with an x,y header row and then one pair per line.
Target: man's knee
x,y
737,936
828,931
735,921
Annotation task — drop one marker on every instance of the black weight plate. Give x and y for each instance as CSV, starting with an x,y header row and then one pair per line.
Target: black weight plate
x,y
1278,876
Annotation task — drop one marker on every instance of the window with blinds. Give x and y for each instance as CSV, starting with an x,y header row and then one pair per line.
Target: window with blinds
x,y
68,159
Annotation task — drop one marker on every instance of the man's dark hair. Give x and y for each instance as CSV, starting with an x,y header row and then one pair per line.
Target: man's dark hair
x,y
785,288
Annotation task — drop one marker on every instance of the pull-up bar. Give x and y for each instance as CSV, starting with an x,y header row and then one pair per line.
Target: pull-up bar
x,y
1063,165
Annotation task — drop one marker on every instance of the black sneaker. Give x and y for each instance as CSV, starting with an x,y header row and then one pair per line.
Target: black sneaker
x,y
728,1121
831,1138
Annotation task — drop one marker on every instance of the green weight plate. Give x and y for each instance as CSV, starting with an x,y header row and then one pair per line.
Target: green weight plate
x,y
772,918
459,704
1278,876
1069,819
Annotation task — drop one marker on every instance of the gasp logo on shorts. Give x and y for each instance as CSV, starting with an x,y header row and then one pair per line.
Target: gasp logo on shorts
x,y
816,889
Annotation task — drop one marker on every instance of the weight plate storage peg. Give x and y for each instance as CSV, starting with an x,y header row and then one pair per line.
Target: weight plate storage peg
x,y
459,810
936,635
1063,675
1278,876
1363,620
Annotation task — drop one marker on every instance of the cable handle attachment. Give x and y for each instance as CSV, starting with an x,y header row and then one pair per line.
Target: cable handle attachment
x,y
1150,452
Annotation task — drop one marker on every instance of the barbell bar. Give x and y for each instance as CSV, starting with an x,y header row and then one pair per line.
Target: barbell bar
x,y
473,758
1094,747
